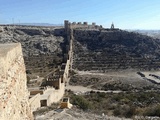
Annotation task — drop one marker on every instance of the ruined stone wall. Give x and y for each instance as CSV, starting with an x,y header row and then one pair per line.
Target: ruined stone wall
x,y
52,95
56,95
34,102
14,103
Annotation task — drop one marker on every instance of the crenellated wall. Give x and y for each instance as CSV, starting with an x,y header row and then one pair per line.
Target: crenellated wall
x,y
14,101
80,25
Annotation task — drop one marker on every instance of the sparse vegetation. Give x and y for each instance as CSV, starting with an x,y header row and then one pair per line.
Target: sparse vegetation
x,y
153,111
123,104
46,109
81,102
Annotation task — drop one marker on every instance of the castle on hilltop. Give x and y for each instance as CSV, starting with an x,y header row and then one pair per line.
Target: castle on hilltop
x,y
80,25
85,25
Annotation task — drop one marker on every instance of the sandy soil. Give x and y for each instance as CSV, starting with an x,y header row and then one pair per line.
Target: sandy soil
x,y
98,80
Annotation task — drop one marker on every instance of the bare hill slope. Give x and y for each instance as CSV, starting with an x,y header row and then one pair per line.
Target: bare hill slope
x,y
115,50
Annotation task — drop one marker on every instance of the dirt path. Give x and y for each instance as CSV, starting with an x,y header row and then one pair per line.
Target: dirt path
x,y
131,74
82,90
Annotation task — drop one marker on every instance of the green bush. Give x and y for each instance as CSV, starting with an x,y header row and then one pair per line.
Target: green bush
x,y
153,111
117,111
126,111
130,111
81,102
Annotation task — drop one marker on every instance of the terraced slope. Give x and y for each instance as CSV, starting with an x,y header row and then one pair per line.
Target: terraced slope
x,y
114,50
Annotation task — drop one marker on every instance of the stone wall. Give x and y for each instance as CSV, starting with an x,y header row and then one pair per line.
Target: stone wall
x,y
34,102
66,71
51,95
80,25
14,103
54,94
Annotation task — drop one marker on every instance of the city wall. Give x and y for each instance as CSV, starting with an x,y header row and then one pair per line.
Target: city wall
x,y
51,95
80,25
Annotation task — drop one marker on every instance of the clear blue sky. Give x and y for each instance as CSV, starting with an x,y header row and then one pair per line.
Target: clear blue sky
x,y
126,14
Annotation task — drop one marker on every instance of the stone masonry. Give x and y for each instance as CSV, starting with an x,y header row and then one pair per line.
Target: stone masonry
x,y
13,90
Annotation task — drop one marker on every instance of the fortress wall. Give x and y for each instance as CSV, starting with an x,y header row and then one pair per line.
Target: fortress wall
x,y
84,26
56,95
35,102
69,26
14,101
78,26
66,71
52,95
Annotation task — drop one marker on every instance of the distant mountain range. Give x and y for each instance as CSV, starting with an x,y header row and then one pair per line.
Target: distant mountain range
x,y
151,33
37,24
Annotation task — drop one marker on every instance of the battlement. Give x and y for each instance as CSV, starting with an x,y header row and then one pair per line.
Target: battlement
x,y
80,25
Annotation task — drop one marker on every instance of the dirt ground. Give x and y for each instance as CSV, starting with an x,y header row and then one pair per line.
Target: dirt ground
x,y
74,114
117,81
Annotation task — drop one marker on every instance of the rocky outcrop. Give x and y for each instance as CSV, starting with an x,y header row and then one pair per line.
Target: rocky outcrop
x,y
14,95
115,50
34,40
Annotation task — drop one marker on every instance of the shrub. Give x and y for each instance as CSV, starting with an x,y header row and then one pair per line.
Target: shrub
x,y
81,102
153,111
126,111
130,111
117,111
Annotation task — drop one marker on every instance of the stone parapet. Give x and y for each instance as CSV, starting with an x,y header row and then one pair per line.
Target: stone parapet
x,y
14,103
